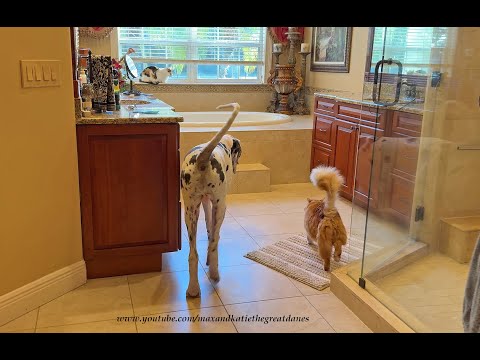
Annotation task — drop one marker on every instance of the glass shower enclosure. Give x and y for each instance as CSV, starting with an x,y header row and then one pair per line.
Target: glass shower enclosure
x,y
416,202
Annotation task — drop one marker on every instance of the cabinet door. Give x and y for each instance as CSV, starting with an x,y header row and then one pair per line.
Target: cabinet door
x,y
365,154
345,135
323,130
129,187
321,156
401,198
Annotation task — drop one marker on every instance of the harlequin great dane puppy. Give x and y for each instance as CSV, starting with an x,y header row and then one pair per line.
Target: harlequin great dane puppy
x,y
206,172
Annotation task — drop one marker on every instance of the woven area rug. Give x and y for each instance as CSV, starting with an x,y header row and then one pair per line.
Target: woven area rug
x,y
297,259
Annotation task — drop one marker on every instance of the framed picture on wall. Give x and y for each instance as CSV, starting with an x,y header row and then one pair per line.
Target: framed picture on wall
x,y
331,49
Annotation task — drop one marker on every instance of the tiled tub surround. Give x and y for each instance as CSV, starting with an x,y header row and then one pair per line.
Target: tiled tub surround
x,y
284,148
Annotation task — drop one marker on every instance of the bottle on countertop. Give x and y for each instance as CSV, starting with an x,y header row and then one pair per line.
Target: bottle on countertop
x,y
116,90
83,76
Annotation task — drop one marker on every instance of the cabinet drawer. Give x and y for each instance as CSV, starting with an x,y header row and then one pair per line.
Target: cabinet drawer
x,y
406,156
324,105
323,129
401,195
364,115
321,156
406,123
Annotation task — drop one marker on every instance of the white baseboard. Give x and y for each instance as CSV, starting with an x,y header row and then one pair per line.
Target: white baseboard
x,y
30,296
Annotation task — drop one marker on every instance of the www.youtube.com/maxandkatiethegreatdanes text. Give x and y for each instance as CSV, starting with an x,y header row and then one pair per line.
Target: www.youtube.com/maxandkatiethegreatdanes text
x,y
198,318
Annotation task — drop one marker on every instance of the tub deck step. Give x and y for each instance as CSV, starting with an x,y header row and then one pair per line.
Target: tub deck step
x,y
250,178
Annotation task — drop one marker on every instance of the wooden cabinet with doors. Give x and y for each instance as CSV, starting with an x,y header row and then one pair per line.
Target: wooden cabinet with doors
x,y
130,196
348,136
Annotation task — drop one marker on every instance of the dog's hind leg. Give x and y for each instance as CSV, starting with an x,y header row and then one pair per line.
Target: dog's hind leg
x,y
192,208
218,214
207,208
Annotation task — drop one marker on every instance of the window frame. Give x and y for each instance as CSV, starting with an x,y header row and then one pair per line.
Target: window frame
x,y
419,80
192,74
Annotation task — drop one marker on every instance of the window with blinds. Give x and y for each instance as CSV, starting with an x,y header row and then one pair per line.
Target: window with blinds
x,y
417,48
199,54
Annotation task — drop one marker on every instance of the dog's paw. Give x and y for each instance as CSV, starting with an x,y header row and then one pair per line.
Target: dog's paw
x,y
326,268
193,291
213,274
336,258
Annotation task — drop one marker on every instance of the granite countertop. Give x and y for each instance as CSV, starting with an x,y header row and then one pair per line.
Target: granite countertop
x,y
165,114
415,108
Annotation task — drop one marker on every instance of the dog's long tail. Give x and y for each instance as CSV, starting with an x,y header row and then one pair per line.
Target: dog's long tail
x,y
204,156
329,179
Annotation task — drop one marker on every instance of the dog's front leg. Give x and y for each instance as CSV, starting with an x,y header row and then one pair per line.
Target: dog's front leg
x,y
218,214
192,207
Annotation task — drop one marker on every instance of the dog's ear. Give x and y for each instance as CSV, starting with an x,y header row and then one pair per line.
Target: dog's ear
x,y
309,200
236,153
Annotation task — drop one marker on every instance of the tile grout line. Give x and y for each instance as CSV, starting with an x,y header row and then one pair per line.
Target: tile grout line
x,y
131,302
335,331
216,292
254,301
79,323
36,319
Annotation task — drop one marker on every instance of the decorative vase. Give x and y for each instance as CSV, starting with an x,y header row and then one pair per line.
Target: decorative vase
x,y
286,82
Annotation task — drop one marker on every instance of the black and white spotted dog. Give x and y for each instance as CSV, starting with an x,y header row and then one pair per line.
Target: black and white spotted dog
x,y
206,172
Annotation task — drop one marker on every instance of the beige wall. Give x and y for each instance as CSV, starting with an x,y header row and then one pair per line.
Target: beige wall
x,y
105,46
39,198
351,81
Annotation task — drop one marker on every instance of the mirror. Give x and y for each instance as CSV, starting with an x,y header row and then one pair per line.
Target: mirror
x,y
131,68
132,73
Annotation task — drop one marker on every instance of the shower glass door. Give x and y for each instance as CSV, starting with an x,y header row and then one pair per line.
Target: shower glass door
x,y
415,204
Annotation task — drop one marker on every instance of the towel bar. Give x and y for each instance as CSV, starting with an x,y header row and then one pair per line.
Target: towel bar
x,y
468,147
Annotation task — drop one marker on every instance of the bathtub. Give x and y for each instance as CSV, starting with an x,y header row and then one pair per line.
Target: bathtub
x,y
244,118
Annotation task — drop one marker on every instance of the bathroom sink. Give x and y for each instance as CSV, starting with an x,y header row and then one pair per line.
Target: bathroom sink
x,y
134,102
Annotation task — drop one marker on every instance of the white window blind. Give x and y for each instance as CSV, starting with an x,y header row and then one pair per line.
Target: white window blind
x,y
199,54
417,48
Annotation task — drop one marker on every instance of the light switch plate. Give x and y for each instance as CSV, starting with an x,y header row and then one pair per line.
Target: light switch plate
x,y
40,73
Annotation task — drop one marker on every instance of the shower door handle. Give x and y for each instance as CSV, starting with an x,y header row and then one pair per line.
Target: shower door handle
x,y
399,82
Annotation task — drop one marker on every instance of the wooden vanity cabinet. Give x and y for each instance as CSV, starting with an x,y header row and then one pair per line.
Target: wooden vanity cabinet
x,y
129,191
344,136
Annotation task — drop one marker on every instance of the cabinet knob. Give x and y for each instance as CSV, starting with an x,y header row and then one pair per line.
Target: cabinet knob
x,y
322,130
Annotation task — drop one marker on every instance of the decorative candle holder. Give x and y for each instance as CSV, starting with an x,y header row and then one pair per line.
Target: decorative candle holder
x,y
273,73
301,107
294,37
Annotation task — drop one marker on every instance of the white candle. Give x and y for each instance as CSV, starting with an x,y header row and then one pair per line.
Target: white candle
x,y
277,47
305,47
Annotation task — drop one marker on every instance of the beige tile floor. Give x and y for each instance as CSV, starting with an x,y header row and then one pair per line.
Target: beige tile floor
x,y
431,289
245,288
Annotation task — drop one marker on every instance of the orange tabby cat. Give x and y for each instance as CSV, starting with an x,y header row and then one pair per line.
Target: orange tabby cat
x,y
322,222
